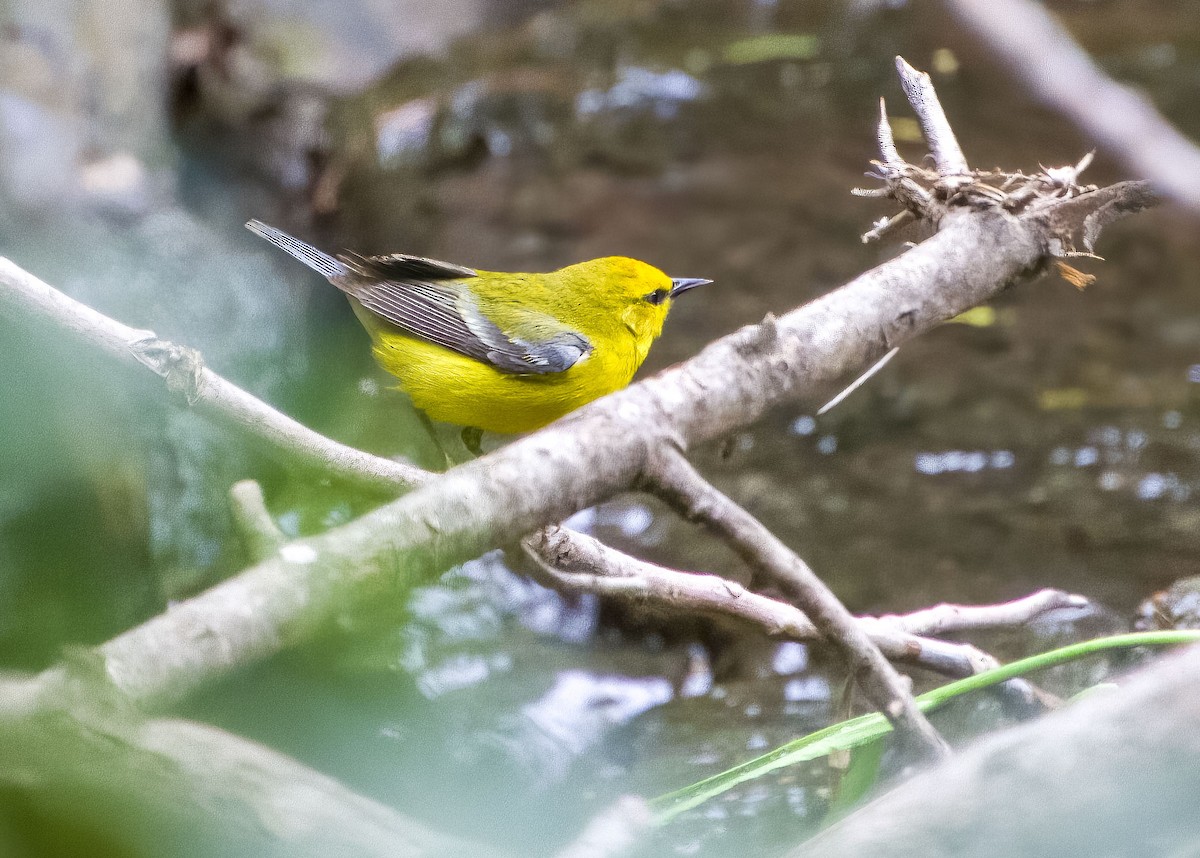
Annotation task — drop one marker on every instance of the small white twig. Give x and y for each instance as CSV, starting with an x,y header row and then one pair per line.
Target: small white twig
x,y
887,225
858,382
887,141
872,193
1068,176
955,619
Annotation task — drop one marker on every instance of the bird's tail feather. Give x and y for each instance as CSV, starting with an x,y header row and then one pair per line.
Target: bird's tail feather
x,y
320,262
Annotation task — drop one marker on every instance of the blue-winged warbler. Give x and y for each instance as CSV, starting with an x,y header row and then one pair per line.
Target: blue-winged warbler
x,y
496,351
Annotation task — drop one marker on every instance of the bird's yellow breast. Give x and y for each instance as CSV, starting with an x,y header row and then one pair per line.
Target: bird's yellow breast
x,y
453,388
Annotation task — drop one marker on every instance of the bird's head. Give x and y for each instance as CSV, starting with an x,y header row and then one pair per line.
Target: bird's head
x,y
633,292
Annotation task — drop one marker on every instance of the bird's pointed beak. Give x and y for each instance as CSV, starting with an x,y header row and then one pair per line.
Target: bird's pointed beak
x,y
682,284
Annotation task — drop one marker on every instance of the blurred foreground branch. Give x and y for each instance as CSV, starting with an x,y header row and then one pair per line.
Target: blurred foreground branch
x,y
615,831
181,788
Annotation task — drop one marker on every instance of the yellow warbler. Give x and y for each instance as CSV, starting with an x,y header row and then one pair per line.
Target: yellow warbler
x,y
495,351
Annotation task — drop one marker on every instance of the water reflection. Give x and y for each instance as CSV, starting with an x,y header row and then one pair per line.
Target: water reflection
x,y
583,707
638,89
970,462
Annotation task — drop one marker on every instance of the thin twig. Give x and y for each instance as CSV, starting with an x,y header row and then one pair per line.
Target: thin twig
x,y
858,382
672,478
582,564
887,140
952,619
888,225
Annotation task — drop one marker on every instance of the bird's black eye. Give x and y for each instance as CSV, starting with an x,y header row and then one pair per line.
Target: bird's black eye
x,y
658,296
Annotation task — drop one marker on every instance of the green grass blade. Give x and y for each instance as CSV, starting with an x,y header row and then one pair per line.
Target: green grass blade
x,y
859,778
850,734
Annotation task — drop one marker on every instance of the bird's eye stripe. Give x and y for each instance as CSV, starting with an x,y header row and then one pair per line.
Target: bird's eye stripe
x,y
658,296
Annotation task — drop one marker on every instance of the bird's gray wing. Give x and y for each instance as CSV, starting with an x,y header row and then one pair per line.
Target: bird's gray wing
x,y
446,314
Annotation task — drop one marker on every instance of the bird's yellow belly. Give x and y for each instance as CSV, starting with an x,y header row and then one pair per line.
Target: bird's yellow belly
x,y
453,388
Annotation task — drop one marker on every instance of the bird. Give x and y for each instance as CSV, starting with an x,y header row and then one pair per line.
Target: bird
x,y
499,352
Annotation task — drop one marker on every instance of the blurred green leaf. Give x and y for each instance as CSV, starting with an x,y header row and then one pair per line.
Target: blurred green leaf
x,y
772,48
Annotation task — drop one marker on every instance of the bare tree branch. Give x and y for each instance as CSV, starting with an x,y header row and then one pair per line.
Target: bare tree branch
x,y
24,297
579,563
950,619
943,144
671,477
1039,51
146,779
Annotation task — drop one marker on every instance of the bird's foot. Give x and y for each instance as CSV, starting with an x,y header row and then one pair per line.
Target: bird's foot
x,y
472,438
